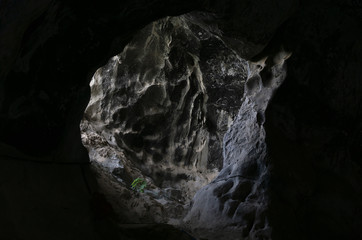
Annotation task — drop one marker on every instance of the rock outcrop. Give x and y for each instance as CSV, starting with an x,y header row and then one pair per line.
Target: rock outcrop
x,y
304,182
235,204
159,110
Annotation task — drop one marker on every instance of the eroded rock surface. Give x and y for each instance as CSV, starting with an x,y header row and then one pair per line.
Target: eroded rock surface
x,y
313,128
235,204
159,110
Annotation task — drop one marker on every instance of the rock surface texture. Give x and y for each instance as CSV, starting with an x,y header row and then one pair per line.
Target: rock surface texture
x,y
235,204
159,110
295,168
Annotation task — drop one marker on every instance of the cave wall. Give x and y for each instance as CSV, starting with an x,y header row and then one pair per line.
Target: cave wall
x,y
159,111
49,52
60,42
47,42
50,49
313,126
169,96
236,203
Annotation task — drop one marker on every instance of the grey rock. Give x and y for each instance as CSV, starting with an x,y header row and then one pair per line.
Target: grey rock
x,y
162,107
313,124
235,204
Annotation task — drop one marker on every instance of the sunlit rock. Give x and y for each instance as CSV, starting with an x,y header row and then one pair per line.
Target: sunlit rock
x,y
160,109
235,204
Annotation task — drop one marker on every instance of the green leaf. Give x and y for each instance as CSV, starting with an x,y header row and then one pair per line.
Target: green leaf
x,y
139,185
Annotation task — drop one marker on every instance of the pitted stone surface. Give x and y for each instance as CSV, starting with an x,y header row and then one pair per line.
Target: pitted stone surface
x,y
162,107
313,125
235,204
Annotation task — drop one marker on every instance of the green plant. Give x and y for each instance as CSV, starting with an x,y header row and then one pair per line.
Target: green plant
x,y
139,184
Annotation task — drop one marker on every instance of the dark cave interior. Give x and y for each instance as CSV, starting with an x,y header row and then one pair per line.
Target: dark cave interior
x,y
289,164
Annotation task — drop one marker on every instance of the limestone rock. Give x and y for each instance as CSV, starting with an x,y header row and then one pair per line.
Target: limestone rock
x,y
162,107
313,125
235,204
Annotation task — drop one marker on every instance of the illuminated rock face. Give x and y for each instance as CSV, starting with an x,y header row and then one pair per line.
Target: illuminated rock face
x,y
176,107
160,109
309,187
235,204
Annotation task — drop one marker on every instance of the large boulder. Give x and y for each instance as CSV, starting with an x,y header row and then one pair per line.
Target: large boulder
x,y
159,110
